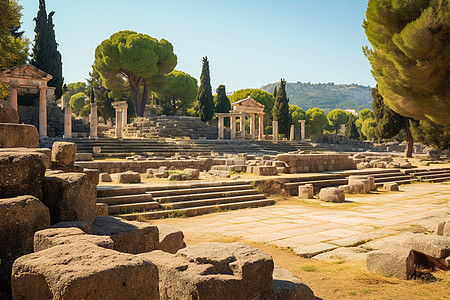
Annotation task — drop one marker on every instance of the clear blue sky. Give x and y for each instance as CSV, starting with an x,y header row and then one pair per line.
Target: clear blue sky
x,y
249,43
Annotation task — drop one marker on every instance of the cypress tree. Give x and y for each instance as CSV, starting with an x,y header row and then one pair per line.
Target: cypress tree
x,y
274,93
204,97
389,123
280,111
352,130
45,54
223,104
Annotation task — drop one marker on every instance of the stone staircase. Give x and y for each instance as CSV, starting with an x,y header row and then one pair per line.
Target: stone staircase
x,y
187,199
430,175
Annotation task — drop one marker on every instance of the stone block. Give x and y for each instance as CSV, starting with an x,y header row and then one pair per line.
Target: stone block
x,y
161,174
101,210
105,177
213,271
264,170
64,153
83,271
306,191
359,186
390,187
8,114
332,195
192,173
175,177
371,179
345,188
443,228
78,224
93,175
18,135
435,246
20,218
129,177
70,197
52,237
170,239
83,157
395,261
67,169
287,285
128,236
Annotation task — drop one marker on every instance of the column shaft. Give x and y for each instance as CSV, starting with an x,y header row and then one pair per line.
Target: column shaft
x,y
292,133
67,122
13,97
233,127
242,119
252,126
261,127
93,122
118,123
43,112
275,131
220,127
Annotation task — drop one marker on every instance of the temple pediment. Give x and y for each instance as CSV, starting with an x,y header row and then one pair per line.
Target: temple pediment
x,y
26,72
248,105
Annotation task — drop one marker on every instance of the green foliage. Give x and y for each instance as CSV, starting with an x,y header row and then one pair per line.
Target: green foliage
x,y
205,98
274,93
5,89
85,111
134,62
296,114
101,95
389,123
431,134
328,96
365,114
337,117
74,88
77,101
315,120
280,110
368,128
260,96
410,56
45,54
223,104
352,131
180,91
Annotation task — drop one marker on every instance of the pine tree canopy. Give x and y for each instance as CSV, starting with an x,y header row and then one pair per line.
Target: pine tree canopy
x,y
315,120
280,110
181,90
134,61
337,117
410,56
431,134
205,98
45,54
223,104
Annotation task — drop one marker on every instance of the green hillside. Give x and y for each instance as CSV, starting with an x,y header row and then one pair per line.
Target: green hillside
x,y
327,96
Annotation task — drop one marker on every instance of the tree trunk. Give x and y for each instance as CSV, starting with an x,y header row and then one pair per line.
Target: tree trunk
x,y
139,99
409,138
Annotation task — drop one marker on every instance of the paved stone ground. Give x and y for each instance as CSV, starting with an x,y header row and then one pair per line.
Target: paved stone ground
x,y
312,227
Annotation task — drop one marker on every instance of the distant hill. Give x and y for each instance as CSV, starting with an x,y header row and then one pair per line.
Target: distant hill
x,y
327,96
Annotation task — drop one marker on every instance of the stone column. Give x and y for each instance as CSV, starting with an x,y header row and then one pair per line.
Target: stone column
x,y
124,115
343,129
63,103
292,133
233,127
220,127
13,97
252,126
118,122
242,118
261,127
93,122
109,123
43,111
275,131
302,126
67,121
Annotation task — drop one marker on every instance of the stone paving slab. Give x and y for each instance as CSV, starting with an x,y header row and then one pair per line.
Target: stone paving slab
x,y
312,229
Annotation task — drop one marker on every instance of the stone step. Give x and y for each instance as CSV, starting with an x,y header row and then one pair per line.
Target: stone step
x,y
316,177
421,173
403,181
105,191
132,207
123,199
189,212
212,201
192,197
431,176
292,188
199,190
393,178
437,179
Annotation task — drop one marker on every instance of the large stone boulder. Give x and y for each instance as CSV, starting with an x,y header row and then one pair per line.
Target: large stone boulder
x,y
83,271
64,153
434,246
390,187
192,173
21,174
52,237
128,236
332,194
306,191
8,114
70,197
287,286
20,218
129,177
213,271
93,175
360,186
18,135
170,239
395,261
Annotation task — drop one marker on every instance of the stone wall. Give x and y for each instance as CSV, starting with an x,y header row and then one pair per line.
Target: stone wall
x,y
306,163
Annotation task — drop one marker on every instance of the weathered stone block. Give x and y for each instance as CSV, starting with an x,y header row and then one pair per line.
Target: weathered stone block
x,y
435,246
52,237
101,210
105,177
78,224
83,271
21,174
128,236
213,271
443,228
175,177
359,186
129,177
83,157
192,173
93,175
264,170
332,195
18,135
20,218
287,286
161,174
394,261
306,191
390,187
170,239
64,153
8,114
70,197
